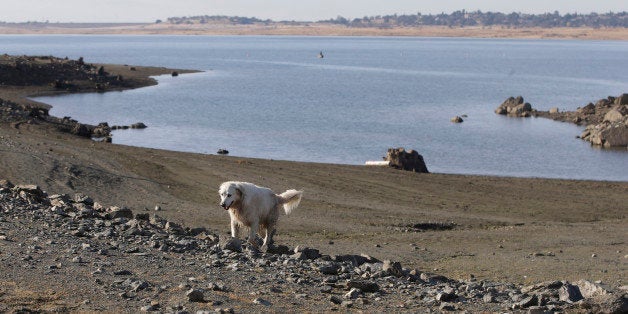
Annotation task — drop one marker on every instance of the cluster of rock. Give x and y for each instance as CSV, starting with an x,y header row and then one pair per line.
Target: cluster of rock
x,y
18,114
62,74
106,237
515,107
612,131
409,160
12,112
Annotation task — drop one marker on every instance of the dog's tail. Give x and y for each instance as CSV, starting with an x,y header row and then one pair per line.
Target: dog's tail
x,y
290,200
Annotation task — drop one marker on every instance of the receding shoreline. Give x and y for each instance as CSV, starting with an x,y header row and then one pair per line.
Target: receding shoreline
x,y
318,29
506,227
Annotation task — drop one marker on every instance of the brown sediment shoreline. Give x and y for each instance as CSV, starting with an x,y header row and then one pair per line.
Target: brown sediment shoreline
x,y
519,230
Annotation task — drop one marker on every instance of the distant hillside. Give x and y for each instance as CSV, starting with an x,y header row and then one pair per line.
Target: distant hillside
x,y
455,19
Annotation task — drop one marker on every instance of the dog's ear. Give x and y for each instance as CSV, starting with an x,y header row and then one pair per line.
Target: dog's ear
x,y
239,190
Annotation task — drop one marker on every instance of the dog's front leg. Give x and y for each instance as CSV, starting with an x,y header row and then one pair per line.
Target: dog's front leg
x,y
235,229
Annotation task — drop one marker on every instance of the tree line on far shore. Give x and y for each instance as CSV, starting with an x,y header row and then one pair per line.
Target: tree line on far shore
x,y
456,19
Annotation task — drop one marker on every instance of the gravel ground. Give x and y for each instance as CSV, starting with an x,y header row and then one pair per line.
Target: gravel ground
x,y
69,253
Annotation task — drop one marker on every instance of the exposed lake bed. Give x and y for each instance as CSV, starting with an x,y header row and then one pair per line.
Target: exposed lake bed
x,y
516,230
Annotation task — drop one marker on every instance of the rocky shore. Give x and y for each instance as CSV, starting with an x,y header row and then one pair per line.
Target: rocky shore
x,y
99,258
25,76
606,121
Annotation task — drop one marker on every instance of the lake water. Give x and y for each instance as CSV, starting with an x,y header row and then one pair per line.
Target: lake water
x,y
271,97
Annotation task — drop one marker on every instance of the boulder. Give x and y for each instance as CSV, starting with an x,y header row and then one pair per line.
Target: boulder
x,y
356,260
622,100
392,268
101,130
588,109
590,290
195,295
364,285
138,125
409,160
303,253
613,115
569,293
615,135
230,243
81,130
117,212
514,107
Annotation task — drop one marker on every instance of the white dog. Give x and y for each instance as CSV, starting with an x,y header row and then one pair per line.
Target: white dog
x,y
254,207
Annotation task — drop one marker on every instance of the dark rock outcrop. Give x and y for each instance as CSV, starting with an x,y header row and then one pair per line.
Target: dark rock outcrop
x,y
409,160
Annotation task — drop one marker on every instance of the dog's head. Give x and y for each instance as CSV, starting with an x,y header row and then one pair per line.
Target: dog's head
x,y
230,194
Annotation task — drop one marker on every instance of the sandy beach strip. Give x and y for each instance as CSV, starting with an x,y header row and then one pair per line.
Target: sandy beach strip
x,y
319,29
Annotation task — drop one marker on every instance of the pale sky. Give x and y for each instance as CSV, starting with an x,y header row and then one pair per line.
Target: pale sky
x,y
312,10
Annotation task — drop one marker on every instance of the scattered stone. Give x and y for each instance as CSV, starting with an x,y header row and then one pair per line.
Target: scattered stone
x,y
230,243
527,302
82,198
363,285
349,280
569,293
353,293
347,304
589,289
116,212
123,272
216,287
262,302
335,299
195,295
446,296
447,307
393,268
326,289
302,253
276,249
329,269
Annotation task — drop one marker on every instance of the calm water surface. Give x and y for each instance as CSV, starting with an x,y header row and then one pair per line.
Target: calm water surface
x,y
271,97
